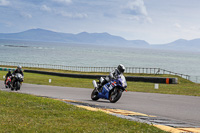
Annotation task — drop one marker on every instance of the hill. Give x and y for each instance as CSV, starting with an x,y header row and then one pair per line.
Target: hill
x,y
83,38
180,45
185,44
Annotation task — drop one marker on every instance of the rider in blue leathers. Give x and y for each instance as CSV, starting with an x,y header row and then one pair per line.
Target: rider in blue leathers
x,y
113,75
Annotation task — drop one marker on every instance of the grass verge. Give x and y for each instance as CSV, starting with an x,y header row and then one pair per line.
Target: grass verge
x,y
26,113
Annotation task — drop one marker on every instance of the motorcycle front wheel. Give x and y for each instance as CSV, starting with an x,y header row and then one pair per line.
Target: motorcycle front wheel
x,y
17,86
94,95
115,95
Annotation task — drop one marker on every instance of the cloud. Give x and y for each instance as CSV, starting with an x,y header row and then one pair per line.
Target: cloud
x,y
177,25
63,1
137,10
4,2
187,31
26,15
71,15
64,12
137,7
6,23
45,8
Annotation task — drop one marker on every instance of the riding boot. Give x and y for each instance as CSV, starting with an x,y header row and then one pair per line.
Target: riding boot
x,y
99,88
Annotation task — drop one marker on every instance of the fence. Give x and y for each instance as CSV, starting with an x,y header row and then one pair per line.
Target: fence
x,y
195,79
138,70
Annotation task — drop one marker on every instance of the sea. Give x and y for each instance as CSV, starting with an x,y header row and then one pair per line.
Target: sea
x,y
69,54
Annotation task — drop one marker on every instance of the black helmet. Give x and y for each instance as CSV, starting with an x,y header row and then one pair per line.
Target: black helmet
x,y
121,68
9,71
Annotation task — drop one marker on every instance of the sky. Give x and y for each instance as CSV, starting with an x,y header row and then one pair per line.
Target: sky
x,y
155,21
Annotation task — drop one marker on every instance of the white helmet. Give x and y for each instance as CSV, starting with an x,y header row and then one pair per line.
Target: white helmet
x,y
19,67
121,68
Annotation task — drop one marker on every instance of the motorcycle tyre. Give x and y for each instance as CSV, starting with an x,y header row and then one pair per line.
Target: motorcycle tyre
x,y
17,86
9,84
93,97
117,97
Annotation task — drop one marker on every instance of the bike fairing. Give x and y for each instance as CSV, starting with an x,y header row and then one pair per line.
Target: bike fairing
x,y
8,82
8,75
121,82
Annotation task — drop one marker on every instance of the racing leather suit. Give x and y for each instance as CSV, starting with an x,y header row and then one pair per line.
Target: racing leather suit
x,y
113,75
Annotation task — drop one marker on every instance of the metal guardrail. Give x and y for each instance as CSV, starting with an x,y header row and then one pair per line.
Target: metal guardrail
x,y
138,70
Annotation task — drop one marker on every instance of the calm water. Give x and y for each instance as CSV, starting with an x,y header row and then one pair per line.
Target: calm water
x,y
90,55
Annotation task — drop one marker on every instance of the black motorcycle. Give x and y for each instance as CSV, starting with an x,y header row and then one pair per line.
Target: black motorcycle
x,y
17,81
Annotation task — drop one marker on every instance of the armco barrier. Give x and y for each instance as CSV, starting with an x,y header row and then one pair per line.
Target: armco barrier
x,y
163,80
64,74
6,69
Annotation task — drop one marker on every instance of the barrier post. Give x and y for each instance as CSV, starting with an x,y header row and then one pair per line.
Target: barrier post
x,y
167,80
156,86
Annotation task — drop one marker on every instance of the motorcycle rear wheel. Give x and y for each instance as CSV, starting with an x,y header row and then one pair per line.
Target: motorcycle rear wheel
x,y
9,84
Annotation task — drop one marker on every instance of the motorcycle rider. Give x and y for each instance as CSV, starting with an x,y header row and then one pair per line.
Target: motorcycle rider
x,y
8,75
18,70
113,75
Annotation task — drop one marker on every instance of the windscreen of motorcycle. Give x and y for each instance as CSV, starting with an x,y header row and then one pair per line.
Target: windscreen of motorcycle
x,y
122,79
18,75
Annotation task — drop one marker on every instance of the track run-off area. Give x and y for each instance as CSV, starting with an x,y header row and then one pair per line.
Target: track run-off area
x,y
174,113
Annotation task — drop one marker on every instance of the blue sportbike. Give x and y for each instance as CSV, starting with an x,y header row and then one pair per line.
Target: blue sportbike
x,y
111,91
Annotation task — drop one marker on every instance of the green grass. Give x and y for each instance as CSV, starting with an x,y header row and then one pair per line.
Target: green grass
x,y
26,113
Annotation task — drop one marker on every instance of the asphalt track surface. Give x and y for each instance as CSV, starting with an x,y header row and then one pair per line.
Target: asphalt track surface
x,y
175,107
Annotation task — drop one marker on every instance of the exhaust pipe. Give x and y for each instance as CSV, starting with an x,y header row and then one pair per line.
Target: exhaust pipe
x,y
94,83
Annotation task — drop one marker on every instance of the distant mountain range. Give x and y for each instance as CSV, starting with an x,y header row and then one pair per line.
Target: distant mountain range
x,y
81,38
185,44
97,39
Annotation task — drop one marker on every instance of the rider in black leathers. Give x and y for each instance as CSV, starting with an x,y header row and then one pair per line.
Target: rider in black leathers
x,y
18,70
